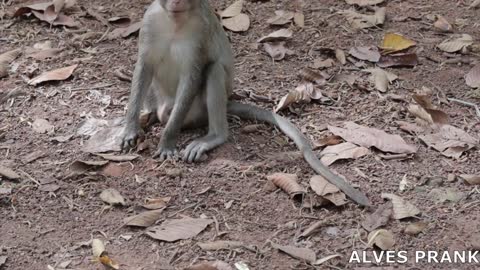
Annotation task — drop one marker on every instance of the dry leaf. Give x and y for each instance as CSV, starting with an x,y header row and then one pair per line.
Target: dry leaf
x,y
426,111
341,151
442,25
277,50
320,63
381,78
474,4
299,19
43,126
441,195
303,254
219,245
379,218
157,203
98,248
398,60
383,239
8,173
362,21
370,54
281,17
233,10
5,60
473,77
239,23
106,135
119,158
288,183
145,219
82,166
340,55
327,190
416,228
303,93
217,265
45,54
456,44
328,141
112,197
393,42
401,208
363,3
279,35
469,178
176,229
54,75
120,21
310,75
368,137
125,31
450,141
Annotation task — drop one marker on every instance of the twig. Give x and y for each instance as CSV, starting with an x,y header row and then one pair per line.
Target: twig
x,y
91,87
477,109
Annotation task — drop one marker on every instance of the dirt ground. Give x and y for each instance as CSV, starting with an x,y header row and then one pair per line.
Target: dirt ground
x,y
41,227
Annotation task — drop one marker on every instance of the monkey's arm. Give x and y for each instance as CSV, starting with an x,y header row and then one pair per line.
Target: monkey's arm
x,y
256,113
186,92
142,79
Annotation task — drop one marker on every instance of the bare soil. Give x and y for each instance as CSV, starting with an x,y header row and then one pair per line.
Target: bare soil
x,y
40,228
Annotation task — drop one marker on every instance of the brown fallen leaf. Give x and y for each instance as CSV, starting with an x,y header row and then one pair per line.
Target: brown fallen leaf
x,y
363,3
112,197
288,183
83,166
145,219
450,141
370,137
9,173
42,126
474,4
177,229
321,63
277,50
281,17
217,265
328,141
125,32
105,135
401,208
415,228
442,25
313,76
472,78
362,21
118,158
239,23
303,254
427,112
156,203
383,239
120,21
280,35
398,60
327,190
341,151
471,179
300,94
381,78
370,54
453,44
5,59
54,75
233,10
379,218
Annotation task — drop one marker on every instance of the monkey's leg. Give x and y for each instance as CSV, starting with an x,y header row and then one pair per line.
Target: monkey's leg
x,y
216,96
186,93
142,78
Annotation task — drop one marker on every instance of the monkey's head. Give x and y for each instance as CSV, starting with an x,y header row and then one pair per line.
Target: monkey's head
x,y
179,6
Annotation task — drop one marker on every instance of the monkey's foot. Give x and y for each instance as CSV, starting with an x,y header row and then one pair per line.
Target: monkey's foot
x,y
130,138
195,150
164,153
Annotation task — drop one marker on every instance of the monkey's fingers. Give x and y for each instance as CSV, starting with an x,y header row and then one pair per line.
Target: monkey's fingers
x,y
164,154
195,151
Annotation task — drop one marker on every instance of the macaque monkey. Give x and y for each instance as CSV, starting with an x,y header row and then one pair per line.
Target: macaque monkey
x,y
184,76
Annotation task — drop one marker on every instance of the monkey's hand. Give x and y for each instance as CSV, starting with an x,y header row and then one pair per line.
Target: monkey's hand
x,y
166,151
130,137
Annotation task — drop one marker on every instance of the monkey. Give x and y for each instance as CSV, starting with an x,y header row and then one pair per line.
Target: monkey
x,y
184,77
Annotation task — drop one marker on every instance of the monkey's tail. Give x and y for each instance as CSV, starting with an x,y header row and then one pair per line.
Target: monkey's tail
x,y
255,113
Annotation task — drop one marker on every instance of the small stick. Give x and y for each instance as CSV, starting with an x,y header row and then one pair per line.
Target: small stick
x,y
477,109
